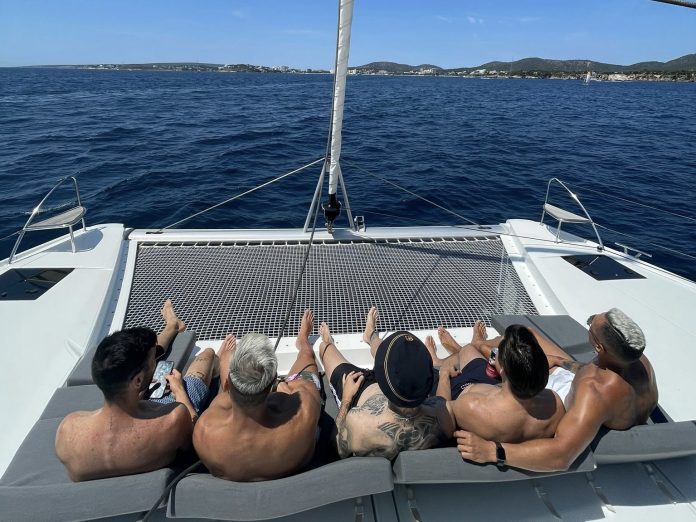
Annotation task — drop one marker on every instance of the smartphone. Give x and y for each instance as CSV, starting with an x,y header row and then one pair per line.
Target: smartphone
x,y
162,369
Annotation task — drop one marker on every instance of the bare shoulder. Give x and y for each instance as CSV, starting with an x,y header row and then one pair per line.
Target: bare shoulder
x,y
176,426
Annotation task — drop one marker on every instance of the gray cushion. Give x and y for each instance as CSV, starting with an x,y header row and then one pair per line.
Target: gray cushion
x,y
179,352
73,398
37,487
646,442
204,496
563,330
445,465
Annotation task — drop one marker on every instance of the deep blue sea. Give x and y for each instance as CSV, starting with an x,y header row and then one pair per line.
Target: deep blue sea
x,y
150,148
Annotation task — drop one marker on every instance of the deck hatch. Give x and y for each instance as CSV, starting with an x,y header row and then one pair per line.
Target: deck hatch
x,y
242,287
28,284
602,268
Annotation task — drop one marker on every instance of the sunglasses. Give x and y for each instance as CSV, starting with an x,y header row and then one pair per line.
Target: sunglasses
x,y
159,352
494,355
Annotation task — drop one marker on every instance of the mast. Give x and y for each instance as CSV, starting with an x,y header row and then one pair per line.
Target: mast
x,y
332,207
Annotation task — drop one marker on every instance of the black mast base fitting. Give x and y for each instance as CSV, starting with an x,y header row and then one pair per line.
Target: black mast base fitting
x,y
332,209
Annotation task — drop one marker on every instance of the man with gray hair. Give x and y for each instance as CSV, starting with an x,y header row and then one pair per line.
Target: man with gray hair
x,y
250,432
616,390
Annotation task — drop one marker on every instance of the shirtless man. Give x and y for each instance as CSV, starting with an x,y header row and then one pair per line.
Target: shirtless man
x,y
128,434
250,432
385,410
616,390
513,408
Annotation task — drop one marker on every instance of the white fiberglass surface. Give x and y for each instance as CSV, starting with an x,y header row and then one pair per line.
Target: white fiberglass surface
x,y
44,338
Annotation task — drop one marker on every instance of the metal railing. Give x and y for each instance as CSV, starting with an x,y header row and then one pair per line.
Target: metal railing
x,y
70,217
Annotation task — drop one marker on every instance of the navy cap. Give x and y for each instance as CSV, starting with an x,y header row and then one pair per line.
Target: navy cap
x,y
404,369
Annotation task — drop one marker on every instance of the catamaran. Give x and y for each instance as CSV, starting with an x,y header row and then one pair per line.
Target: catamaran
x,y
58,299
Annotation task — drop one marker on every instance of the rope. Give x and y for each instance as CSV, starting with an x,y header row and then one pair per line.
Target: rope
x,y
680,3
412,193
12,234
169,487
657,245
299,279
243,194
634,202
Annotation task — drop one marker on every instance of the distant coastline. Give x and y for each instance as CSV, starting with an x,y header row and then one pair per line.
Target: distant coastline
x,y
682,69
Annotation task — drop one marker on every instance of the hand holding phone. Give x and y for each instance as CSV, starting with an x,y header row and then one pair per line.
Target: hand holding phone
x,y
162,369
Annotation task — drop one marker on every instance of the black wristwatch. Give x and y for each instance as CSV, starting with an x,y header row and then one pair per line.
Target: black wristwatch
x,y
499,455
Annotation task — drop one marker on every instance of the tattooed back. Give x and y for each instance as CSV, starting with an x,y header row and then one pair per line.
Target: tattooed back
x,y
376,428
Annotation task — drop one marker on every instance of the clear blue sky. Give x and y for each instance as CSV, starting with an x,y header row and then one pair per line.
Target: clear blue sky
x,y
301,33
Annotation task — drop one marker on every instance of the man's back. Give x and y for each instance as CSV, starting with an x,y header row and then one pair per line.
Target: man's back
x,y
373,428
239,447
494,414
107,443
625,397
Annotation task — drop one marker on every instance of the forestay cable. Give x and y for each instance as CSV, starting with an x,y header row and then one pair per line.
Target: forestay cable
x,y
243,194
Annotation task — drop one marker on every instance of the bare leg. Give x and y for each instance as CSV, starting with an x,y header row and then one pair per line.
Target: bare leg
x,y
370,335
172,325
550,348
202,366
224,358
305,355
437,362
330,356
447,341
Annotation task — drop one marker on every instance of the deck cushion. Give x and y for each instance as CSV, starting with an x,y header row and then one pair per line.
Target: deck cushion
x,y
445,466
646,442
179,352
563,330
204,496
73,398
36,486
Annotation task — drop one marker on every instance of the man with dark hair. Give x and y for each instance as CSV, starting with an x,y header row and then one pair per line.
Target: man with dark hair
x,y
250,432
616,390
128,434
499,393
385,410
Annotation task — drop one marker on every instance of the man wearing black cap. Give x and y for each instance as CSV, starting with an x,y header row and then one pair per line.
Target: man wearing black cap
x,y
385,410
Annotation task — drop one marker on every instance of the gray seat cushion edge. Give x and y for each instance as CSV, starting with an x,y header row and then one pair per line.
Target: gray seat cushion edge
x,y
84,500
563,330
445,466
73,398
646,442
36,486
179,352
204,496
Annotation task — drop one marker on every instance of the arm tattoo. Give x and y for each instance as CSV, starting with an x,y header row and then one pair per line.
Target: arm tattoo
x,y
571,366
342,435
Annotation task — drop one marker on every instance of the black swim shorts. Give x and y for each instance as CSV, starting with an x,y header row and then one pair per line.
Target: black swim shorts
x,y
473,373
336,381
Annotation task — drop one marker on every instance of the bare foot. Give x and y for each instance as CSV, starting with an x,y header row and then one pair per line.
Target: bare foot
x,y
430,345
371,325
306,326
170,317
326,339
447,340
226,352
480,333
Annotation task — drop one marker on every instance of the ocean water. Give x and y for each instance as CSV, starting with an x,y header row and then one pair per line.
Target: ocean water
x,y
151,148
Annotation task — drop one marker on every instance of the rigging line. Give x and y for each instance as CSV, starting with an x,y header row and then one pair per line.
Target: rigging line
x,y
412,193
657,245
633,202
12,234
243,194
680,3
169,487
299,280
